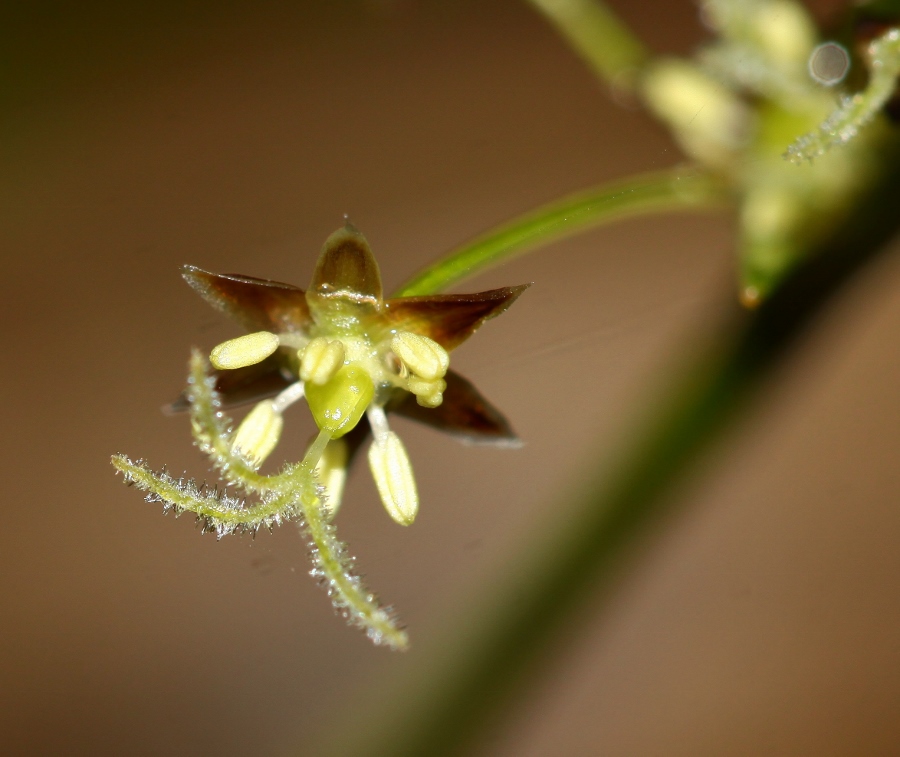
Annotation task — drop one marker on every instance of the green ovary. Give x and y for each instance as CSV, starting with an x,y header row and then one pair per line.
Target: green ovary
x,y
338,404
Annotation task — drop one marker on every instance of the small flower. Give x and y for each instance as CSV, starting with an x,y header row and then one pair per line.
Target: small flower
x,y
354,357
351,354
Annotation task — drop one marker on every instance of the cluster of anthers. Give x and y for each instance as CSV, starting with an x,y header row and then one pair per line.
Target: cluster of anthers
x,y
343,373
354,357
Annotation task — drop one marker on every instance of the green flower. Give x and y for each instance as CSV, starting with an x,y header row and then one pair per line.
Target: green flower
x,y
354,356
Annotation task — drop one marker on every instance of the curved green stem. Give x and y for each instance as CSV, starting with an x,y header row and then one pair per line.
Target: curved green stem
x,y
475,672
674,189
858,110
212,432
218,512
333,565
597,34
292,494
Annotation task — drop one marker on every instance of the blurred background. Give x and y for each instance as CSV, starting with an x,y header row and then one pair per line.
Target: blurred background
x,y
761,617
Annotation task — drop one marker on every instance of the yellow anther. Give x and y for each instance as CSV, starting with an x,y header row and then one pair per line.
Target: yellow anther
x,y
785,31
258,433
394,478
430,400
423,356
428,393
321,360
332,470
243,351
709,119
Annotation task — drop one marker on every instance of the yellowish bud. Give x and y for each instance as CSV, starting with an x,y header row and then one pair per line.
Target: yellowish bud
x,y
244,351
708,118
332,470
321,360
428,393
770,211
423,356
394,478
785,31
258,433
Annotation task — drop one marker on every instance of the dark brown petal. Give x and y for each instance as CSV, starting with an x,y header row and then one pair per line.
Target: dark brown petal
x,y
243,385
257,304
464,413
449,319
347,267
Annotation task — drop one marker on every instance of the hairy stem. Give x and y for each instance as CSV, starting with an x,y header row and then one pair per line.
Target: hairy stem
x,y
220,512
291,495
857,110
212,432
296,497
673,189
332,564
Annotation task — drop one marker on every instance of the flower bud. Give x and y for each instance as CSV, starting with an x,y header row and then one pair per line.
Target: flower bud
x,y
394,478
244,351
784,30
321,360
423,356
338,405
258,433
708,118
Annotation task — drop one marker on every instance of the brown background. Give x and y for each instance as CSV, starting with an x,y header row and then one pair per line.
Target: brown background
x,y
762,618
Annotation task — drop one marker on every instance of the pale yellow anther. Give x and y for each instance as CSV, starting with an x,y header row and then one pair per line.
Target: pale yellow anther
x,y
258,433
332,470
320,360
394,478
244,351
785,30
709,119
428,393
423,356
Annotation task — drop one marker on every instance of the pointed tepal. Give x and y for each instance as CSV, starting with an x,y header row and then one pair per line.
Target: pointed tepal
x,y
465,414
347,269
257,304
449,319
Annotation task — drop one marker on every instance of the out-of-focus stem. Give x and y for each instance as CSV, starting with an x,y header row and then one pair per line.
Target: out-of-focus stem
x,y
857,111
680,188
599,37
467,680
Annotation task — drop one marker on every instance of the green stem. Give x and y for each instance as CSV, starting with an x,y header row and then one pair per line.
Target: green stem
x,y
472,676
348,593
597,34
212,432
856,111
221,513
673,189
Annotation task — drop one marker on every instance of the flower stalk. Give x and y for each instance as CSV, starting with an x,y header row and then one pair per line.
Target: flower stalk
x,y
682,188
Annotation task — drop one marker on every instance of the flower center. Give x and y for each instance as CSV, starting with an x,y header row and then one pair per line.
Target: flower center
x,y
341,373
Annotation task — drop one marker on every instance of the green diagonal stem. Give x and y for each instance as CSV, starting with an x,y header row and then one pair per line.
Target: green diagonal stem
x,y
681,188
599,37
467,680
